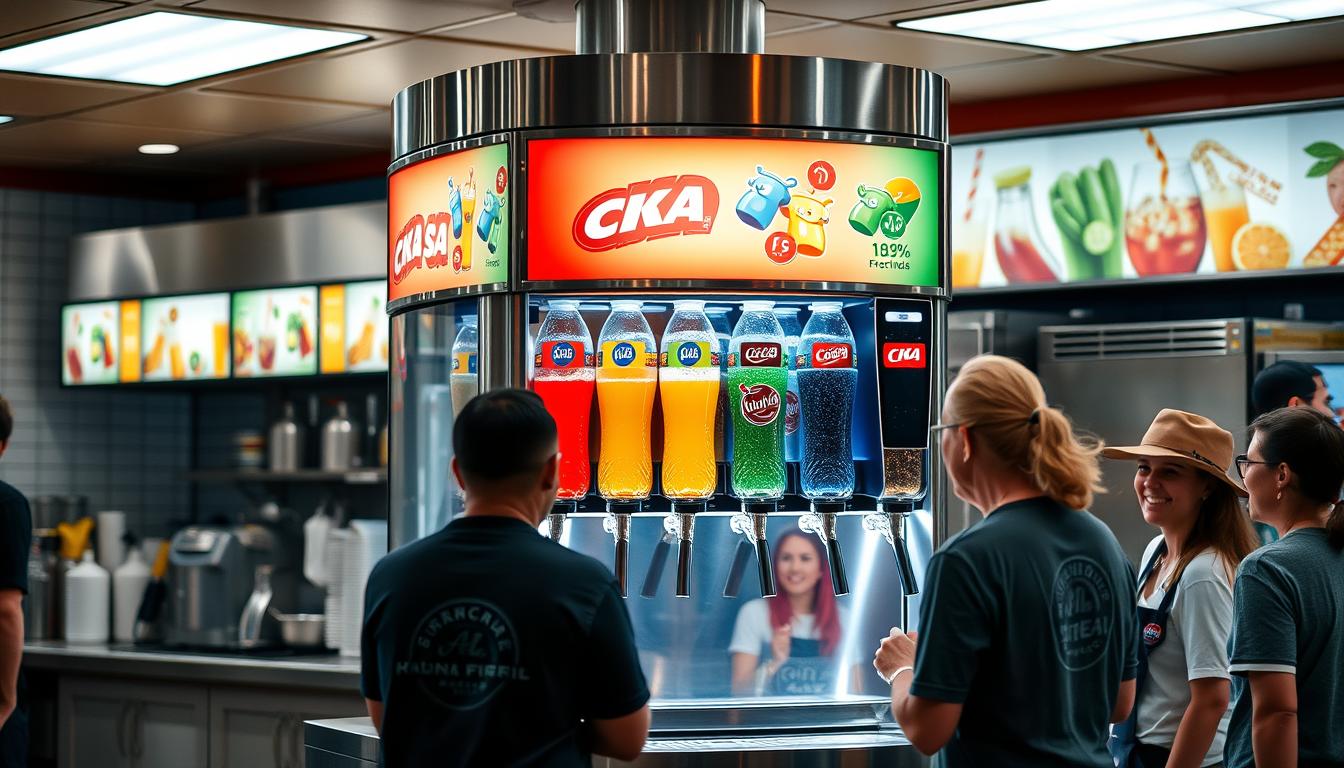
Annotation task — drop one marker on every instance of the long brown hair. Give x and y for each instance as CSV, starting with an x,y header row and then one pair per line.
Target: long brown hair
x,y
1004,403
1222,526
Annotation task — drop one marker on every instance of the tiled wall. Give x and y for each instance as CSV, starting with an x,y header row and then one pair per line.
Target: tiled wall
x,y
122,450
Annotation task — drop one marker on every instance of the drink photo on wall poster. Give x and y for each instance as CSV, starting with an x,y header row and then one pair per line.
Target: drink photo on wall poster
x,y
1204,197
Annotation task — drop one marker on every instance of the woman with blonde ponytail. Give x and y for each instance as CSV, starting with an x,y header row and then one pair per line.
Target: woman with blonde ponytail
x,y
1026,644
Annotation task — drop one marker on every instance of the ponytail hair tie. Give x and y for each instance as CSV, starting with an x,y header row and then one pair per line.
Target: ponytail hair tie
x,y
1035,417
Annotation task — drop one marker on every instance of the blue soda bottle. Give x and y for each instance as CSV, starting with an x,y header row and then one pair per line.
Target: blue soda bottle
x,y
827,378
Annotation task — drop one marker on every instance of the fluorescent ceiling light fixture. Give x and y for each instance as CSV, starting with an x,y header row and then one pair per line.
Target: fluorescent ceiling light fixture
x,y
164,48
5,119
1084,25
159,149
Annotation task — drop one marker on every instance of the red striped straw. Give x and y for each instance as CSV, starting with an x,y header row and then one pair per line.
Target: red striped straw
x,y
1151,140
975,180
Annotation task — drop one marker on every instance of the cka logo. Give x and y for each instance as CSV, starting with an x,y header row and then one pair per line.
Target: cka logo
x,y
647,210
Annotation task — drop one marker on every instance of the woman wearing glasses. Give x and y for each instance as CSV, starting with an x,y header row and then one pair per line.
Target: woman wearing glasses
x,y
1026,631
1185,592
1287,644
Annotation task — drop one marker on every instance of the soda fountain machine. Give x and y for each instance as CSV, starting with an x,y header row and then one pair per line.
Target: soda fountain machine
x,y
730,292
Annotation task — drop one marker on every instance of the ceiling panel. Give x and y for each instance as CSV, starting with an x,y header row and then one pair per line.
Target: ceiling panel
x,y
371,76
209,111
1247,51
1049,73
396,15
247,154
32,96
517,30
21,15
869,43
83,140
854,9
371,129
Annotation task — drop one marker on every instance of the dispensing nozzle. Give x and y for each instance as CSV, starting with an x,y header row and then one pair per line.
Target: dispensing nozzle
x,y
617,523
679,527
555,521
822,521
750,522
890,521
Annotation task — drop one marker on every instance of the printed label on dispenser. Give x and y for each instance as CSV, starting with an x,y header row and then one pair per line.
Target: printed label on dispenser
x,y
562,354
464,362
904,356
759,354
689,354
625,354
829,356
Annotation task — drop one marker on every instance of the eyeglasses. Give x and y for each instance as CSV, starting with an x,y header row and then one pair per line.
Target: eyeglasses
x,y
1243,461
942,427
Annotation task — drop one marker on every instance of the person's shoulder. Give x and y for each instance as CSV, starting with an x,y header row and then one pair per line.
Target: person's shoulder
x,y
1206,566
11,497
753,607
1150,549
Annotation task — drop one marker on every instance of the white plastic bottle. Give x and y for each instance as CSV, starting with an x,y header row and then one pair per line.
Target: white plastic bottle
x,y
128,587
88,593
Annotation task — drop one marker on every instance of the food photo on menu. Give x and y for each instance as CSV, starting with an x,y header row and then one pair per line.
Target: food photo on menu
x,y
89,335
366,326
185,337
274,332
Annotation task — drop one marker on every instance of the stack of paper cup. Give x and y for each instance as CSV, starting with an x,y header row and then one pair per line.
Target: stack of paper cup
x,y
111,549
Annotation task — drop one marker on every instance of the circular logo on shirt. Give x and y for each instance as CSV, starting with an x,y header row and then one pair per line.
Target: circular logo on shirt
x,y
462,653
1152,634
1082,614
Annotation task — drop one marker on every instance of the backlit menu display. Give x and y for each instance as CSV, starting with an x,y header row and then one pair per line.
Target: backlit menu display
x,y
275,332
185,338
90,343
354,327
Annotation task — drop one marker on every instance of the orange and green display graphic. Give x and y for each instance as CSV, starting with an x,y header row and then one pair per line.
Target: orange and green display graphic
x,y
1250,194
676,208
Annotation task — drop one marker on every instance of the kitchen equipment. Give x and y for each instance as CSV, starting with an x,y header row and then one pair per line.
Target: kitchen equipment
x,y
45,605
87,602
129,582
338,440
315,534
74,537
252,626
111,528
147,628
211,574
300,630
285,446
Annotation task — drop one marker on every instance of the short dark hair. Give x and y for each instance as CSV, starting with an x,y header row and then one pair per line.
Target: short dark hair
x,y
501,434
1312,445
1281,382
6,420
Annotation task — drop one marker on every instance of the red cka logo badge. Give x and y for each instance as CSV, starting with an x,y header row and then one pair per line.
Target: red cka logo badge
x,y
647,210
760,403
899,355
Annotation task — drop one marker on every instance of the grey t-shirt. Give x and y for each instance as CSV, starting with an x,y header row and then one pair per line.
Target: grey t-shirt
x,y
1289,607
1029,624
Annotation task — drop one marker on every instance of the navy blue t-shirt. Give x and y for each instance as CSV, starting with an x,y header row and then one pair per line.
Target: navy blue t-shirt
x,y
489,644
16,537
1029,625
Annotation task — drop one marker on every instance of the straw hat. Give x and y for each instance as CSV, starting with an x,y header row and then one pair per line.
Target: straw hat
x,y
1189,438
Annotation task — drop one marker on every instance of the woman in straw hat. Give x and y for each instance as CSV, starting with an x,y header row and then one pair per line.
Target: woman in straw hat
x,y
1185,592
1027,637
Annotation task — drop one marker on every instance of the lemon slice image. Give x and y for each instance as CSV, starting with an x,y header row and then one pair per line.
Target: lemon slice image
x,y
1260,246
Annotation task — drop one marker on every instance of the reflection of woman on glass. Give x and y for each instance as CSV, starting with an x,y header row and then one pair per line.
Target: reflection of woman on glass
x,y
796,633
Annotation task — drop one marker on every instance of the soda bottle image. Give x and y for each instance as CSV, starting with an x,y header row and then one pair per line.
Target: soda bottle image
x,y
788,320
758,381
688,379
827,379
564,379
723,424
463,380
627,378
468,216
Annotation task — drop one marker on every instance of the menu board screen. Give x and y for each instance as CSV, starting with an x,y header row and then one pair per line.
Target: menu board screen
x,y
354,327
274,332
90,348
185,338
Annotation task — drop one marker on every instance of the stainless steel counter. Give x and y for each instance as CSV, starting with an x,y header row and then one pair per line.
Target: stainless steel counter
x,y
353,743
330,673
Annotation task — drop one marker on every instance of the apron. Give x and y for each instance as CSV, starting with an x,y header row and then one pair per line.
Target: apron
x,y
806,673
1152,631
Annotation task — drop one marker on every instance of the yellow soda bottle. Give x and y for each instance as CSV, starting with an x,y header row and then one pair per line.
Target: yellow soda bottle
x,y
688,379
627,379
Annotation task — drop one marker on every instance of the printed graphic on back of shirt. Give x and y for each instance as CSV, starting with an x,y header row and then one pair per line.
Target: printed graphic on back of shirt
x,y
462,653
1082,613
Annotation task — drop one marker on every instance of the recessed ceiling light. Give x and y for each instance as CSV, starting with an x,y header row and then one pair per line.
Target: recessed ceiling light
x,y
5,119
1084,25
159,149
164,48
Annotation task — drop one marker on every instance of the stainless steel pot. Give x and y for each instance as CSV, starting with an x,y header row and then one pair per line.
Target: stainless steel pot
x,y
301,630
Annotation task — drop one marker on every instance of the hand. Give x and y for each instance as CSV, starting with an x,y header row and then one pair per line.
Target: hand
x,y
779,644
897,650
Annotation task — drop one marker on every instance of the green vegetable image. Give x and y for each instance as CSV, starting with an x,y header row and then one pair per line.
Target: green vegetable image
x,y
1089,212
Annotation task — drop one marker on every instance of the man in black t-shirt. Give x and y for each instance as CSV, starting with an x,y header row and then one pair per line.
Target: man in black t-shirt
x,y
16,529
488,644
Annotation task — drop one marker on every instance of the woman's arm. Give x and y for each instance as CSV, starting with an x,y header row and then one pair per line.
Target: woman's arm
x,y
1199,724
744,673
1274,718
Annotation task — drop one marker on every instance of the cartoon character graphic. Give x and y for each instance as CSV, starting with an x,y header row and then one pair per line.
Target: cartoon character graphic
x,y
766,196
501,225
808,217
488,221
888,208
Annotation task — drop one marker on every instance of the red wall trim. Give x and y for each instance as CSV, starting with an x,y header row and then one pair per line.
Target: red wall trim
x,y
1269,86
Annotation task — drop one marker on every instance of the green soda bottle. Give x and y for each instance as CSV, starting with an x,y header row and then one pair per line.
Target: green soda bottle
x,y
758,381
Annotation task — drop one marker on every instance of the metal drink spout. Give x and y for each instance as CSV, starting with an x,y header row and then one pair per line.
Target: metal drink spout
x,y
890,521
555,521
821,521
679,527
617,523
750,522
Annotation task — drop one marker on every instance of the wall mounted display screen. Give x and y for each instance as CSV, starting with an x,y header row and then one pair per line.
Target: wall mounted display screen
x,y
354,327
696,208
1256,193
275,332
448,222
185,338
91,343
